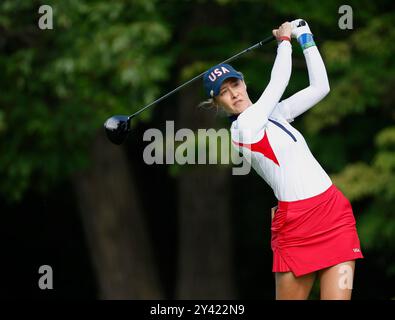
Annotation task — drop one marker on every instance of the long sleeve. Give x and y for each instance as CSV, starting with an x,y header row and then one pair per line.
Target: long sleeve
x,y
256,116
314,93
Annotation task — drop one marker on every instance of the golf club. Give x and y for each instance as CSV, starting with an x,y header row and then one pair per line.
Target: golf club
x,y
118,127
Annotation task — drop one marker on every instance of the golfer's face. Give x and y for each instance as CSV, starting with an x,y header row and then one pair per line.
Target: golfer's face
x,y
233,96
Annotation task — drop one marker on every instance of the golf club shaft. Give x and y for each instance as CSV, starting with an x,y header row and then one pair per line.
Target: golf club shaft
x,y
259,44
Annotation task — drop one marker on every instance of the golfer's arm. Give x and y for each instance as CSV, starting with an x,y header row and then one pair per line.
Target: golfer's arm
x,y
256,116
314,93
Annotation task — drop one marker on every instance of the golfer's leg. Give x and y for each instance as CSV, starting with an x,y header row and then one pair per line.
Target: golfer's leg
x,y
289,287
336,282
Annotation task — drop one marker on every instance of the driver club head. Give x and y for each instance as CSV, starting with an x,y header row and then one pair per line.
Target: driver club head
x,y
117,128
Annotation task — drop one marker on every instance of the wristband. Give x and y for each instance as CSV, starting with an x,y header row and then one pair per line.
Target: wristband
x,y
306,41
285,38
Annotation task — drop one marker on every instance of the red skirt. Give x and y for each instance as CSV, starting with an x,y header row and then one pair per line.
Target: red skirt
x,y
314,233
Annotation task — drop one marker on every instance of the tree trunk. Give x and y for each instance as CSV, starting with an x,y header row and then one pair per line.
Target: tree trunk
x,y
205,266
114,226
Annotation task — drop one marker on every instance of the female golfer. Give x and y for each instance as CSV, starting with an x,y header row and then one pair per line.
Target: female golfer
x,y
313,229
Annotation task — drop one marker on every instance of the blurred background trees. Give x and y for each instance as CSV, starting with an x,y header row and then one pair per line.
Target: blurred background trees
x,y
114,227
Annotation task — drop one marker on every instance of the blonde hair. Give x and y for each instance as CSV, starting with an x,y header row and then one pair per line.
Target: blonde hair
x,y
209,104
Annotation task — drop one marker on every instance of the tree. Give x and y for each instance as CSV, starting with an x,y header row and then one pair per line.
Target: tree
x,y
205,260
58,87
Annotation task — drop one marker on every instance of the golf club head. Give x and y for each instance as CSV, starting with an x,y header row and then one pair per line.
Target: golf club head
x,y
117,128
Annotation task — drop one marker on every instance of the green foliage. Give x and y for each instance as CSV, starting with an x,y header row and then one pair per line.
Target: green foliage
x,y
364,80
59,86
364,72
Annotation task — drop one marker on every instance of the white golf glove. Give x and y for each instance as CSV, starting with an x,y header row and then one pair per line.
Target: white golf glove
x,y
299,27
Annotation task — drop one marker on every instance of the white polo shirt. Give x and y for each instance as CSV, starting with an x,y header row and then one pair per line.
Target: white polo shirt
x,y
279,153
